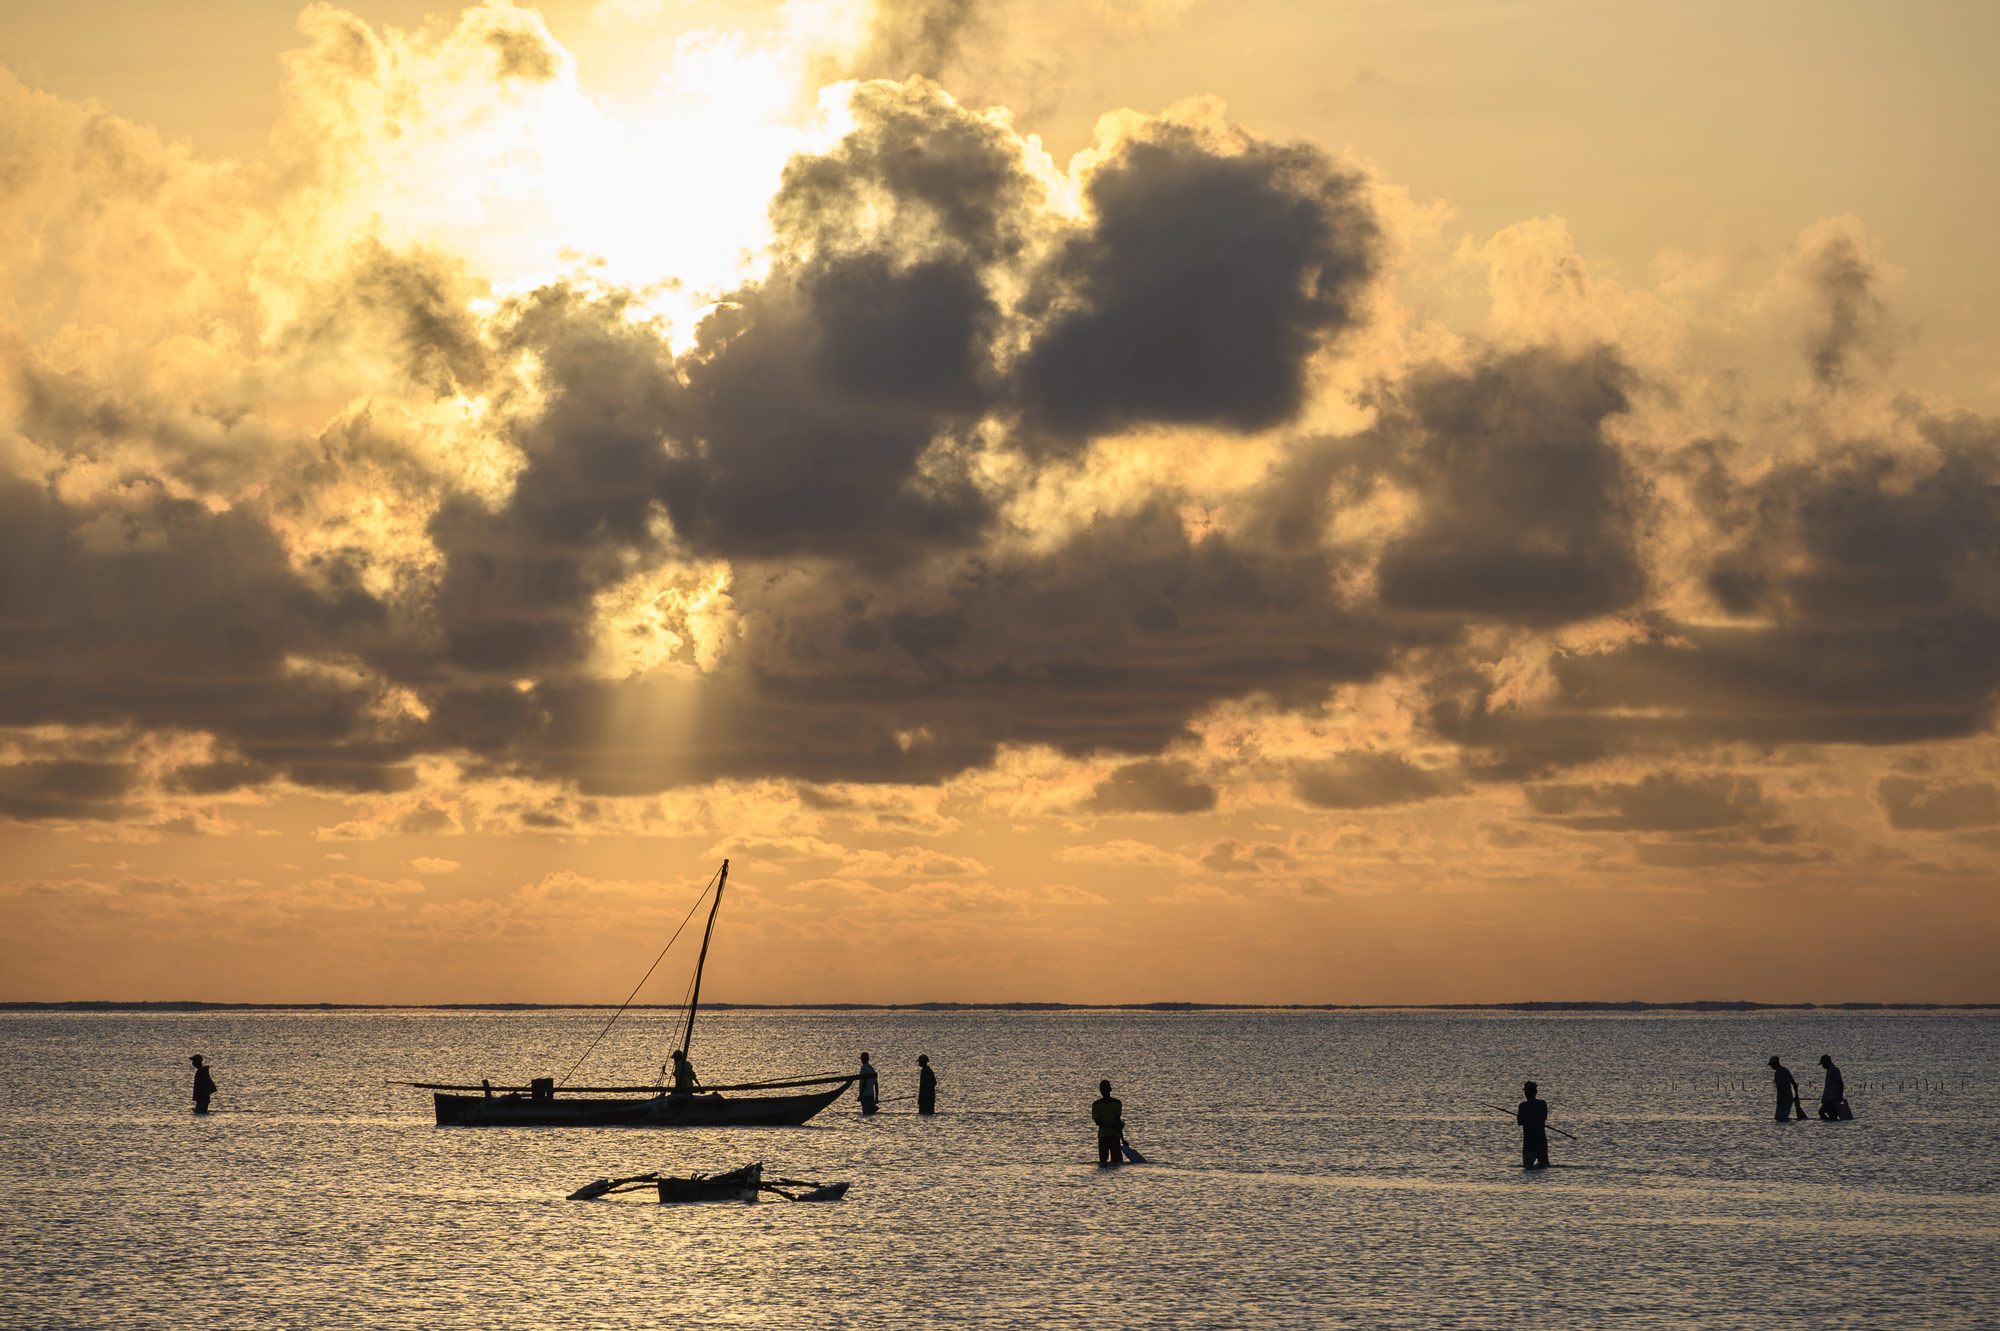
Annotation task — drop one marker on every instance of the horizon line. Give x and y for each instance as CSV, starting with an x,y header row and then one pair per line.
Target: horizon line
x,y
1531,1005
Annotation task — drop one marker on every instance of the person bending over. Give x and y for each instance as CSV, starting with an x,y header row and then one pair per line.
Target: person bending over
x,y
1108,1113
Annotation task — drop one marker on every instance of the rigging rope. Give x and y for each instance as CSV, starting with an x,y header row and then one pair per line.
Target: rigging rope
x,y
643,978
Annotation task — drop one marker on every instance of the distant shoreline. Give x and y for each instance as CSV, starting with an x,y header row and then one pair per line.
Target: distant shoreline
x,y
99,1005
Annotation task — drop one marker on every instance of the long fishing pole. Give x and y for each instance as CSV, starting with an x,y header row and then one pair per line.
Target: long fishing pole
x,y
1510,1114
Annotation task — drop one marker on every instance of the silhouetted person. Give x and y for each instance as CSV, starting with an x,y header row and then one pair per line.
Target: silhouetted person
x,y
870,1100
1833,1095
1533,1116
204,1084
1108,1113
684,1079
926,1086
1786,1088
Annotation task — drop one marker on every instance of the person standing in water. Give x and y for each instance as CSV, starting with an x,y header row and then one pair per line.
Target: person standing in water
x,y
867,1090
1786,1088
1533,1116
204,1084
926,1086
684,1079
1108,1113
1833,1096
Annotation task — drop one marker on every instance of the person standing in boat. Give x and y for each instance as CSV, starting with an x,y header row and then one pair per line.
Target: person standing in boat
x,y
1786,1088
1108,1113
684,1079
926,1086
204,1084
1533,1116
867,1090
1833,1096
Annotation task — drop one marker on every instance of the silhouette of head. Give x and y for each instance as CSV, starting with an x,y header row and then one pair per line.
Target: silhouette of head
x,y
864,1056
1104,1088
923,1060
1774,1062
680,1056
1826,1060
1528,1089
195,1059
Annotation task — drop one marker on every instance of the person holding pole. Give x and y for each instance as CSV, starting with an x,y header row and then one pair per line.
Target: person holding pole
x,y
1533,1116
1786,1088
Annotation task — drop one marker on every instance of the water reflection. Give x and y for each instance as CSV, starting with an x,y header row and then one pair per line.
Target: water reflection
x,y
1307,1169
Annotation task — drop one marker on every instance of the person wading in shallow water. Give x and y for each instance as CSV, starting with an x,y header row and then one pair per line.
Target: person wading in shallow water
x,y
867,1089
1786,1087
204,1084
1833,1096
926,1086
1533,1116
1108,1114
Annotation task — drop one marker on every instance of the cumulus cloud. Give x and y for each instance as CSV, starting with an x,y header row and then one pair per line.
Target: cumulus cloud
x,y
1153,786
1368,780
1918,804
1852,322
982,454
1659,802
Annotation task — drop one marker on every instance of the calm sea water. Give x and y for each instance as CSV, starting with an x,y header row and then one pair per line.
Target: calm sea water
x,y
1307,1169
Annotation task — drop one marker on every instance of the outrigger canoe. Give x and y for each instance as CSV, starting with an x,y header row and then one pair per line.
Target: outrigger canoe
x,y
738,1185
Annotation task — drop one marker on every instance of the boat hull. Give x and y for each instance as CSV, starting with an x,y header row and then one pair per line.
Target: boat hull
x,y
737,1186
662,1111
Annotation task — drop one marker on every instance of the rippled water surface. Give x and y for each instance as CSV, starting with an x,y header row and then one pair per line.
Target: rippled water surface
x,y
1306,1169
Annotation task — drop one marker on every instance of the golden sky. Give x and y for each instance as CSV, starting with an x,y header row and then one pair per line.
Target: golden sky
x,y
1110,501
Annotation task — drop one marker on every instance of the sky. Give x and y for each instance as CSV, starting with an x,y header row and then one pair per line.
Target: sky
x,y
1125,501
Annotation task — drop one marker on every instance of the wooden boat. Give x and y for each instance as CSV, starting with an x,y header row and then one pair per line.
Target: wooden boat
x,y
632,1107
539,1105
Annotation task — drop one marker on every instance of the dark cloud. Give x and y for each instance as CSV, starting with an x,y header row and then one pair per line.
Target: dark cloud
x,y
857,433
143,611
1862,537
1153,786
917,37
1109,642
1866,580
827,414
917,176
1853,322
1529,512
1231,856
1916,804
1200,289
1660,802
66,790
517,592
413,303
1367,781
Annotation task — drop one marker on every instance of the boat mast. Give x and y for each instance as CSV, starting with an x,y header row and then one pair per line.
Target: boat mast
x,y
694,1001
